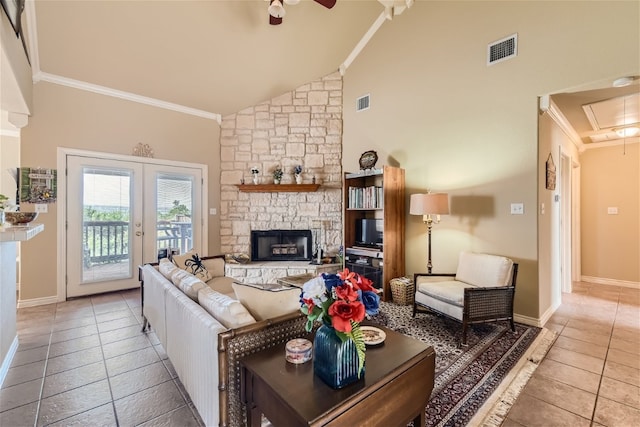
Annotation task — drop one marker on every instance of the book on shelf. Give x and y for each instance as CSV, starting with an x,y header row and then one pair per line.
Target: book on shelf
x,y
365,197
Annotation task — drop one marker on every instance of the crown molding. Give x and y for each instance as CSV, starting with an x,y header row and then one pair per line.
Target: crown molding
x,y
103,90
548,106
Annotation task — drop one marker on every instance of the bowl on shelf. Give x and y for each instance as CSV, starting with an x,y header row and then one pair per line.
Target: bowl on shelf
x,y
20,218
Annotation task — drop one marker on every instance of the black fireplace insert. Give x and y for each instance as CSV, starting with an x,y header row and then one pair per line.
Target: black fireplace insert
x,y
281,245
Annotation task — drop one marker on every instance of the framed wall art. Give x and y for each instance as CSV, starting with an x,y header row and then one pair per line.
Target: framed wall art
x,y
38,185
551,173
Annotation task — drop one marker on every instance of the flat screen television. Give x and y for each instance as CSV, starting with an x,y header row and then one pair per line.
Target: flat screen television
x,y
369,232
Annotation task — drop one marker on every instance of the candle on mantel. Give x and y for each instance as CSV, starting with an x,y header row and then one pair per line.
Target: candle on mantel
x,y
320,245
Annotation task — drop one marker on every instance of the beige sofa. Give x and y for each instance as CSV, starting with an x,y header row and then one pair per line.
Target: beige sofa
x,y
481,290
204,352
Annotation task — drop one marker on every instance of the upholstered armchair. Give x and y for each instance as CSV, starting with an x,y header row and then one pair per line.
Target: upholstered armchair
x,y
481,290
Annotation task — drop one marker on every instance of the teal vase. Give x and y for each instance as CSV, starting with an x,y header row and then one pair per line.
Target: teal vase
x,y
335,361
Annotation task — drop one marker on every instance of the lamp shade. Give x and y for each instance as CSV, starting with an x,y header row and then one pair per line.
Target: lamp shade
x,y
429,204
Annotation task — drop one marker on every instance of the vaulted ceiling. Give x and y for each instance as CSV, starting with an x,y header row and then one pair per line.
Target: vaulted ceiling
x,y
216,56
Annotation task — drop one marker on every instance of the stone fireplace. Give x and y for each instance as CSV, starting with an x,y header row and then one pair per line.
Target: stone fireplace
x,y
281,245
302,127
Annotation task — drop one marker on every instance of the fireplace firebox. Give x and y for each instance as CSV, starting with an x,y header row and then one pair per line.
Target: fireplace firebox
x,y
281,245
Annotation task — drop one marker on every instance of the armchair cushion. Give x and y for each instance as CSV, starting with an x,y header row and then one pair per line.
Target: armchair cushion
x,y
450,291
484,270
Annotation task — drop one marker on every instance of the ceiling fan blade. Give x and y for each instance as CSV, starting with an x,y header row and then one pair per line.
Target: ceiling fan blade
x,y
326,3
274,21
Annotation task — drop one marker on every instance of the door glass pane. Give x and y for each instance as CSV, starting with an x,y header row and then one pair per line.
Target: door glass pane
x,y
106,227
174,206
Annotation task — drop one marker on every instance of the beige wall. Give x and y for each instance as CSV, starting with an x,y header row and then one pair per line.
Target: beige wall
x,y
552,141
459,126
611,243
71,118
9,159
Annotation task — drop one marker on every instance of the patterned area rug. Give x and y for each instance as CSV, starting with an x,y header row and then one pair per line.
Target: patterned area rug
x,y
465,377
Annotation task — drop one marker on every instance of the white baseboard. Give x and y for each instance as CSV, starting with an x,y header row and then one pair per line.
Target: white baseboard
x,y
6,363
548,313
531,321
610,282
37,301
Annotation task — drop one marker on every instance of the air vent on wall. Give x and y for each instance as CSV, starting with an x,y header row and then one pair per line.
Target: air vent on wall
x,y
502,50
362,103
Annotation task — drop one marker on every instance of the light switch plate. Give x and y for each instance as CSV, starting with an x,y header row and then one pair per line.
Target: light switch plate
x,y
41,208
517,208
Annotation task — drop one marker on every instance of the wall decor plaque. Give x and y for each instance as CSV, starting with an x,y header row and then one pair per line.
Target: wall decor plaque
x,y
368,159
551,173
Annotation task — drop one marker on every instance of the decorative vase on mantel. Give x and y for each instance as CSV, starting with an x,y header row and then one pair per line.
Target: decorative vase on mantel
x,y
335,361
276,180
298,178
255,178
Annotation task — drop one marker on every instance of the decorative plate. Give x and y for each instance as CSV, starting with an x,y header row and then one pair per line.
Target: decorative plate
x,y
368,159
373,335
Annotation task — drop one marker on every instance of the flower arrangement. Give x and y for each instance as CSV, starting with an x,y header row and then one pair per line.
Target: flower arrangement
x,y
297,170
341,301
277,173
254,171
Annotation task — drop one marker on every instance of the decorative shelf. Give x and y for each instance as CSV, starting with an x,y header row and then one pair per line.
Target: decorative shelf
x,y
278,188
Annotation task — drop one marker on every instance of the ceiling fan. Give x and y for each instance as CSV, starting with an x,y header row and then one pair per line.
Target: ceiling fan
x,y
277,12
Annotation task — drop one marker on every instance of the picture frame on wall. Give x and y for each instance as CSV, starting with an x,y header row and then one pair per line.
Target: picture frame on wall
x,y
550,173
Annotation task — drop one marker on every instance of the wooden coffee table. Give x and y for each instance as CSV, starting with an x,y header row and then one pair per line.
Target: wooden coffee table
x,y
394,391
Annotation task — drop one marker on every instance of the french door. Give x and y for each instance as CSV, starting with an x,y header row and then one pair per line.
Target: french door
x,y
120,213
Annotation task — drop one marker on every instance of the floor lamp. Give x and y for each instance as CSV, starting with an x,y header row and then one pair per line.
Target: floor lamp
x,y
429,205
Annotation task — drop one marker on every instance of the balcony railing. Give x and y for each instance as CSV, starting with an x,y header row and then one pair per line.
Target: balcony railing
x,y
108,241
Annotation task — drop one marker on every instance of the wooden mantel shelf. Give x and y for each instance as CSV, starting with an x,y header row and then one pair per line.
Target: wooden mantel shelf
x,y
278,188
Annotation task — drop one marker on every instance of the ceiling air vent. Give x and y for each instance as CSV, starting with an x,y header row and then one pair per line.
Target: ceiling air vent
x,y
502,50
362,103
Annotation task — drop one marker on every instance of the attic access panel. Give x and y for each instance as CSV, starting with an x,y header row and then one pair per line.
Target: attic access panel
x,y
607,115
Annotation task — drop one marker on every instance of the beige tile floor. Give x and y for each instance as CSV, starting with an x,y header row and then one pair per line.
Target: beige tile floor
x,y
591,374
85,362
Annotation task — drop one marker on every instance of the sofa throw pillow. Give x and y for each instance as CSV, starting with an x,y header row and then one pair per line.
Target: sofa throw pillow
x,y
166,268
226,310
268,301
187,283
191,262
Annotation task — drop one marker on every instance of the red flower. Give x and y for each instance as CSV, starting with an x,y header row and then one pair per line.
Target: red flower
x,y
356,280
347,276
346,293
365,284
342,313
309,303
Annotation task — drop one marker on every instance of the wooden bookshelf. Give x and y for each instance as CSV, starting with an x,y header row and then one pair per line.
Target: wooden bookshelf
x,y
391,209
